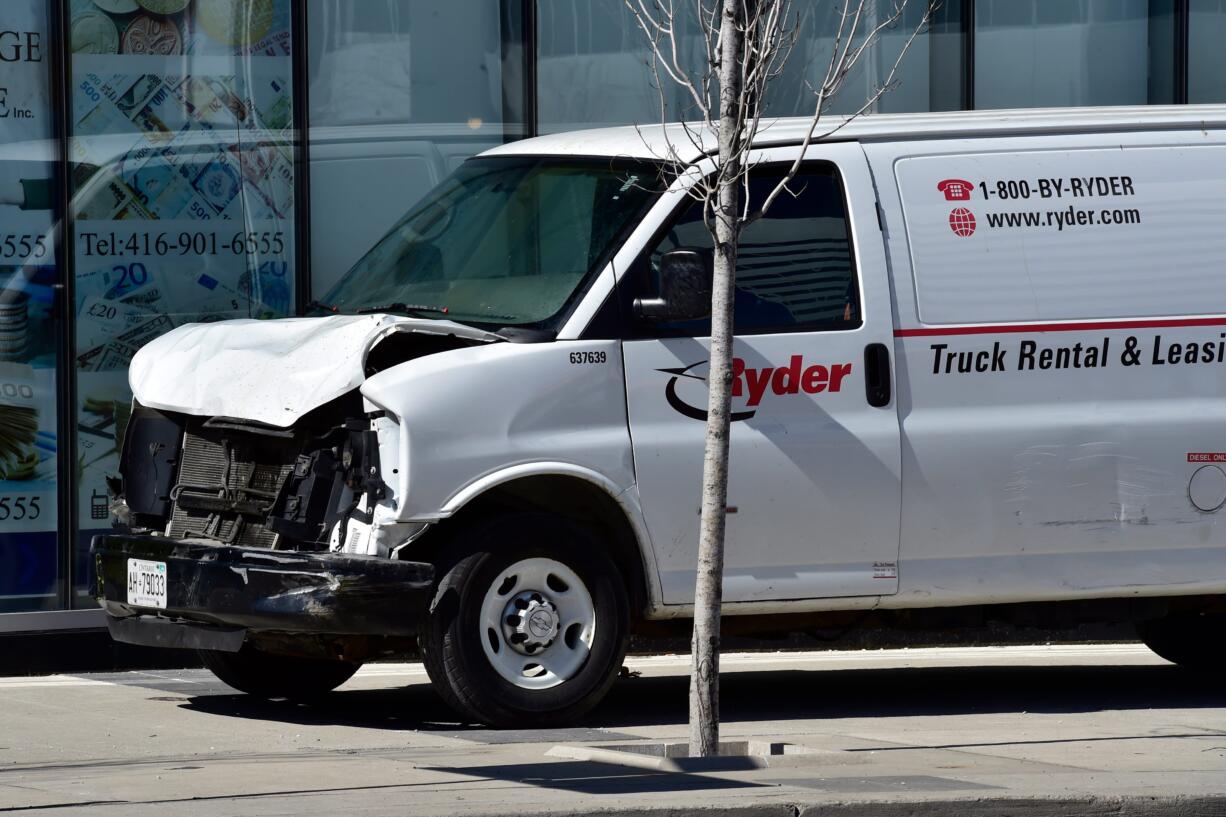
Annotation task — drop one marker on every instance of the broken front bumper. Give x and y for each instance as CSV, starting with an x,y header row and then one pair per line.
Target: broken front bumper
x,y
216,593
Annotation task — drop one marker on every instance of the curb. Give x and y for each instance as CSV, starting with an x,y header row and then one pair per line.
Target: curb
x,y
1178,806
1189,806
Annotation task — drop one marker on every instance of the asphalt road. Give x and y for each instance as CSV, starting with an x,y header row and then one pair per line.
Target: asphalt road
x,y
1106,729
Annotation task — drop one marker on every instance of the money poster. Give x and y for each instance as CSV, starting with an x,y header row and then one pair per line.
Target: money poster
x,y
182,154
28,279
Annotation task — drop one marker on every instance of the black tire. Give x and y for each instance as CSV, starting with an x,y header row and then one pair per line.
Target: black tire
x,y
451,635
1191,640
277,676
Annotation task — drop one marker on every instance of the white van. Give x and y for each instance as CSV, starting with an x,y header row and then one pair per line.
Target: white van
x,y
980,370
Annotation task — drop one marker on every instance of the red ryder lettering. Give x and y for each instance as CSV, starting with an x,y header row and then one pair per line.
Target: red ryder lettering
x,y
791,379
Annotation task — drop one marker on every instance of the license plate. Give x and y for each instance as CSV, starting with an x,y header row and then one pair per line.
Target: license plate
x,y
147,583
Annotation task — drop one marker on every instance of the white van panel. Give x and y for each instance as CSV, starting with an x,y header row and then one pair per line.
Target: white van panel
x,y
1066,234
1059,390
517,404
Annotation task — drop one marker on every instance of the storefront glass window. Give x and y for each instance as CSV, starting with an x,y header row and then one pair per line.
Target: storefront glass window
x,y
927,79
29,563
1206,57
594,66
1054,53
182,162
401,92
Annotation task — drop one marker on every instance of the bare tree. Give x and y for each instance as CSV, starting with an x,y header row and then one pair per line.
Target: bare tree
x,y
745,46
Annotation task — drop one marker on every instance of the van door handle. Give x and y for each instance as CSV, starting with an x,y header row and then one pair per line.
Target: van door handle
x,y
877,374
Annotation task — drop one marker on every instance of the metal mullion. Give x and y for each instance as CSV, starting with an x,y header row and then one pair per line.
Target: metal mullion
x,y
1182,24
302,156
968,55
531,127
64,311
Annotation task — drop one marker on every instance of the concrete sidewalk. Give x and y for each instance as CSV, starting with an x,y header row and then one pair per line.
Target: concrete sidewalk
x,y
1067,730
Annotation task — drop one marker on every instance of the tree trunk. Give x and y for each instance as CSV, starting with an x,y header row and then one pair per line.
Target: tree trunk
x,y
708,590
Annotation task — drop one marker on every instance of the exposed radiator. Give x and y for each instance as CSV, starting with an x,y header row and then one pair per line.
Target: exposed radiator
x,y
226,486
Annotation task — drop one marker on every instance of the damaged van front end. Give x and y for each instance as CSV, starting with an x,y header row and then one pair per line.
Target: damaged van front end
x,y
434,456
259,490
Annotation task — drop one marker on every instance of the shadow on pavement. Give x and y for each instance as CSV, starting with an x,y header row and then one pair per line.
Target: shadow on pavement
x,y
585,777
907,692
748,697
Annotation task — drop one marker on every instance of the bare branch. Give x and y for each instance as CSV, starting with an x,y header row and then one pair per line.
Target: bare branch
x,y
663,30
830,88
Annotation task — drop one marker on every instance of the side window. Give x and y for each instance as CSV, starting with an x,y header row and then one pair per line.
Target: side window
x,y
794,269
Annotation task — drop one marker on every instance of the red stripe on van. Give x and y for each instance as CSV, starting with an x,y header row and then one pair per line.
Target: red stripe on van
x,y
936,331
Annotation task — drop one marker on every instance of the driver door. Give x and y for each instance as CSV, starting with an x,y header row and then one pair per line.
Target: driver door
x,y
814,473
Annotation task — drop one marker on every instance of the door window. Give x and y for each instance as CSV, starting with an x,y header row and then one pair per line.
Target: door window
x,y
794,270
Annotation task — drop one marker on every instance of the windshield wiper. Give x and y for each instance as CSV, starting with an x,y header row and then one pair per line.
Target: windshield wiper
x,y
412,310
321,305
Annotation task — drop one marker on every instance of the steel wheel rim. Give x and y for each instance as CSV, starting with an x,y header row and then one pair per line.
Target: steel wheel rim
x,y
553,636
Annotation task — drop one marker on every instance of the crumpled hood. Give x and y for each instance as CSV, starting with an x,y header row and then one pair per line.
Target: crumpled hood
x,y
271,371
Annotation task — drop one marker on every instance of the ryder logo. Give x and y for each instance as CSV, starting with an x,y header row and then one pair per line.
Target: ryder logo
x,y
750,385
962,222
956,189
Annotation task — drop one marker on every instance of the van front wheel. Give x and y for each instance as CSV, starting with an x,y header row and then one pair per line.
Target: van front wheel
x,y
529,625
1191,640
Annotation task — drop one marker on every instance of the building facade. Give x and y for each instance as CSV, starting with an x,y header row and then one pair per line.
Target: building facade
x,y
172,161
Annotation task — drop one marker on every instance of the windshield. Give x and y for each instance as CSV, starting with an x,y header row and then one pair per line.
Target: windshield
x,y
504,241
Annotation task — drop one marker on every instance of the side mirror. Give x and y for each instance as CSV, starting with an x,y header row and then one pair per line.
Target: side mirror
x,y
685,289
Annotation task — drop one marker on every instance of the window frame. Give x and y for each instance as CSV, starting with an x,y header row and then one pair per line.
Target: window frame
x,y
630,285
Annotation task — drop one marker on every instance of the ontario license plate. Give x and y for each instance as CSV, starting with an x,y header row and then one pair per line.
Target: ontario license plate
x,y
147,583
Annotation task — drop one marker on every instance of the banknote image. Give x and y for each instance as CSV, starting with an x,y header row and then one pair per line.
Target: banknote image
x,y
156,130
269,285
138,94
255,160
110,356
223,90
218,182
101,319
27,446
167,107
101,119
272,103
160,189
201,101
14,324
